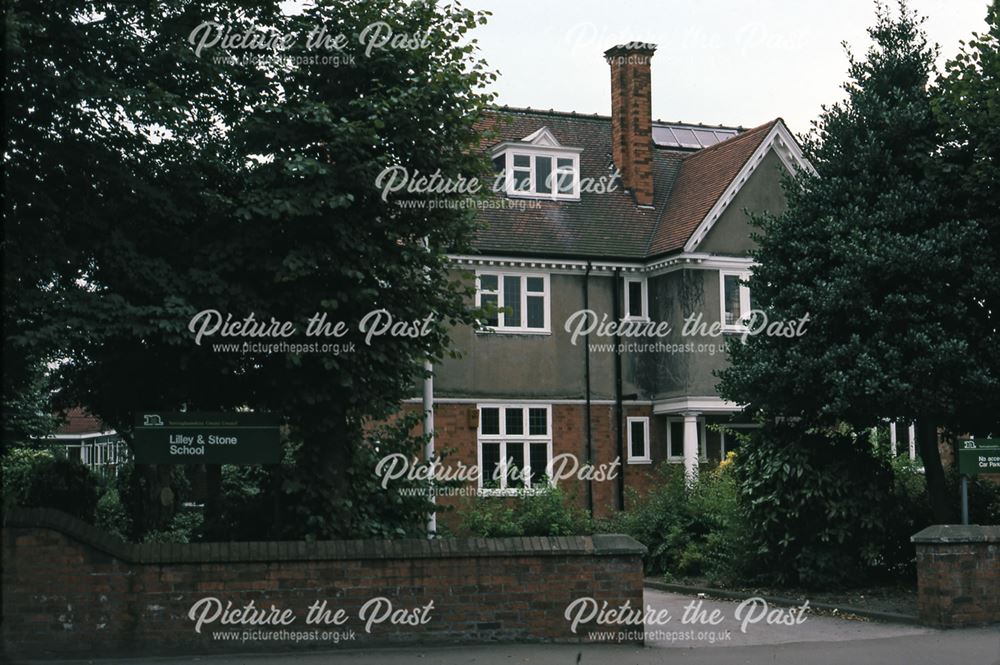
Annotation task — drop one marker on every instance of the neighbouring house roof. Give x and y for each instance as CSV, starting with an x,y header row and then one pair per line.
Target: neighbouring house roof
x,y
78,421
686,184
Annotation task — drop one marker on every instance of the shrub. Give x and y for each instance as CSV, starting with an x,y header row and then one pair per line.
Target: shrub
x,y
248,494
274,502
146,514
368,510
111,515
184,527
36,479
696,532
18,467
984,498
819,506
546,512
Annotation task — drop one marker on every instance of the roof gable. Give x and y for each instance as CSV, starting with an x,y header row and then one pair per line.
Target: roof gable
x,y
542,137
710,179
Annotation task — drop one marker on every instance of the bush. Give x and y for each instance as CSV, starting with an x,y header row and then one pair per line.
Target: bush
x,y
984,498
143,515
688,533
184,527
910,511
247,496
111,515
277,502
819,506
18,468
545,512
37,479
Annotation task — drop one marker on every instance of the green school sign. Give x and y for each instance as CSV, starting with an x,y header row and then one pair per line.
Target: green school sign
x,y
206,438
977,456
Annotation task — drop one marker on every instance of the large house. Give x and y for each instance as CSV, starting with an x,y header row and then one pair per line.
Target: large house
x,y
670,242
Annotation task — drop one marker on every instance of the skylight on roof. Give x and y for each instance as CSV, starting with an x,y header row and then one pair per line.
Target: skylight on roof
x,y
691,137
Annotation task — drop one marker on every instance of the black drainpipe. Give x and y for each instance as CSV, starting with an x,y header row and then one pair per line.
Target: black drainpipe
x,y
586,379
616,300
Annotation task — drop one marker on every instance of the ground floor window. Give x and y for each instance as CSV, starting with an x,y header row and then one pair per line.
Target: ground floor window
x,y
675,439
638,441
515,446
104,454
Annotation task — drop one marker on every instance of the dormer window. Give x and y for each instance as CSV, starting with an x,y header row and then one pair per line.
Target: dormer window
x,y
537,166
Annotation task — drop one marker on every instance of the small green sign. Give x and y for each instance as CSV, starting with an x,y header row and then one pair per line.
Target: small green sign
x,y
977,456
206,438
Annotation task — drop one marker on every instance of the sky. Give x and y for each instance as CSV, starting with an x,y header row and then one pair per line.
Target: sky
x,y
730,62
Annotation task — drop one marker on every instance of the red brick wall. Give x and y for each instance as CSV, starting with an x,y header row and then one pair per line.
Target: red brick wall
x,y
958,575
456,430
69,589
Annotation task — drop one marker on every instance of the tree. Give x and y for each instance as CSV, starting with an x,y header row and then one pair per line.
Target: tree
x,y
256,195
113,146
865,249
967,105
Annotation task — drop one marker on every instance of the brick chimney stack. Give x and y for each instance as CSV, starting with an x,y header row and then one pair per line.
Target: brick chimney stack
x,y
632,117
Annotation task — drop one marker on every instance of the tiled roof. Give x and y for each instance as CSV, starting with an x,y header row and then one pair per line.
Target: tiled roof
x,y
79,421
703,178
607,225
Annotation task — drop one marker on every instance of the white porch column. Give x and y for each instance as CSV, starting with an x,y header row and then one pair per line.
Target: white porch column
x,y
913,441
892,437
691,446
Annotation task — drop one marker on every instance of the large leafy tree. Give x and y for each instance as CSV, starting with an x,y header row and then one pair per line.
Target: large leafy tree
x,y
113,145
257,195
967,105
866,250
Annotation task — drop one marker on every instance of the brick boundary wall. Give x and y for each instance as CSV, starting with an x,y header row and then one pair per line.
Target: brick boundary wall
x,y
71,589
958,575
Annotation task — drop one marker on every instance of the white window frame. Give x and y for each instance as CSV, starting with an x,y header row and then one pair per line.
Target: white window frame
x,y
644,294
645,458
504,440
702,442
743,276
546,328
533,154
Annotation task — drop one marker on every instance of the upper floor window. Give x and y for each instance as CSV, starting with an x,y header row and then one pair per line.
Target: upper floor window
x,y
537,166
515,302
735,296
636,300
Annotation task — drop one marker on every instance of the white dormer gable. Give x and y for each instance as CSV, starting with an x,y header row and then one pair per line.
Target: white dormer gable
x,y
539,167
542,137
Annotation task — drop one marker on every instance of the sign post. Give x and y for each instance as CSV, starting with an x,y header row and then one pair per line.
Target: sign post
x,y
206,438
976,456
